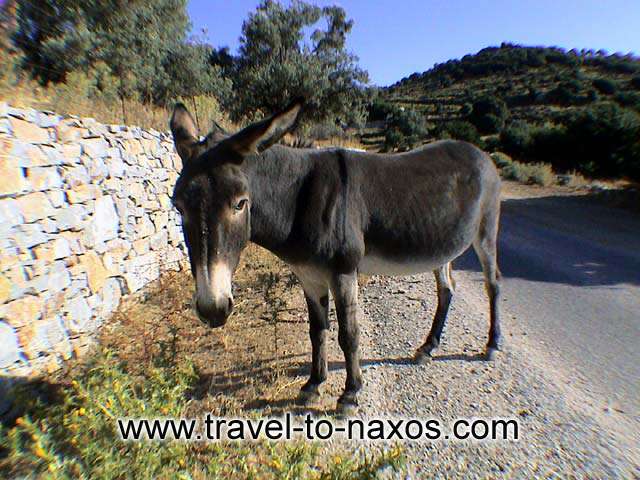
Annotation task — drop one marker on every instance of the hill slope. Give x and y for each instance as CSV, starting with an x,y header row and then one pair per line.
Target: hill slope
x,y
536,103
533,81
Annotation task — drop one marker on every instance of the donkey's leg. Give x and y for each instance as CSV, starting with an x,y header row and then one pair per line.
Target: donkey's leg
x,y
485,248
318,305
316,293
345,293
445,286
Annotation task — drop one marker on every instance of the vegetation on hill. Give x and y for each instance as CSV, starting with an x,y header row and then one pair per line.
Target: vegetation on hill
x,y
575,110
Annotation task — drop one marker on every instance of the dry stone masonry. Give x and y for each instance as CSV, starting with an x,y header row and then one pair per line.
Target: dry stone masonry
x,y
85,218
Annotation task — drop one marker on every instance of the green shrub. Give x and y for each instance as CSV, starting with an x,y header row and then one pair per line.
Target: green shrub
x,y
605,85
488,114
501,159
466,109
10,72
461,130
490,143
601,140
541,174
549,144
513,172
629,99
392,139
530,173
592,96
635,82
379,109
404,129
566,94
516,138
490,123
605,140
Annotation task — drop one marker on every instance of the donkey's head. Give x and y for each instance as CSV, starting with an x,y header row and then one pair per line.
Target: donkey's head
x,y
213,197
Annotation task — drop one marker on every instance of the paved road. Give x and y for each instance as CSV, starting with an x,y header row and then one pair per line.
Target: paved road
x,y
571,272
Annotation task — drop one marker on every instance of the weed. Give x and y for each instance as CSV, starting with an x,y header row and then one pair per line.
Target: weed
x,y
501,159
530,173
541,174
577,180
75,435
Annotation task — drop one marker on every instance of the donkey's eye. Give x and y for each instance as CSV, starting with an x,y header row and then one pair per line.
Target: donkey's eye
x,y
240,205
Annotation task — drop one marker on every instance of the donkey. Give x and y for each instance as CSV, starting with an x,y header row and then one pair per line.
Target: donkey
x,y
331,214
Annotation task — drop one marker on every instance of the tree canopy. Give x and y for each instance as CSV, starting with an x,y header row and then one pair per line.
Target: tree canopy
x,y
143,44
142,50
277,62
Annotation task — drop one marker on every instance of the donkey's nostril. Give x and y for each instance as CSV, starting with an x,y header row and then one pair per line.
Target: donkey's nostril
x,y
212,314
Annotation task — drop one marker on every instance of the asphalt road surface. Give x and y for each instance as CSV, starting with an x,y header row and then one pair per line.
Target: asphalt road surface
x,y
571,269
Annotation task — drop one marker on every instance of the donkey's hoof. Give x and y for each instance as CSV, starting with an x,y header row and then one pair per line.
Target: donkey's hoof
x,y
347,406
491,354
308,396
346,409
421,357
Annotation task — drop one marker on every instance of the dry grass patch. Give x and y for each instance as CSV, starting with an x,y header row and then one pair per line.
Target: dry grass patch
x,y
529,173
79,95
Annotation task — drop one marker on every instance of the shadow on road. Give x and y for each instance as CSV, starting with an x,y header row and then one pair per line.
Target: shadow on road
x,y
571,240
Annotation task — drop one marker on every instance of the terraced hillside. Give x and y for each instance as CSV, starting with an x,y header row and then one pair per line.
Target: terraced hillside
x,y
534,82
574,110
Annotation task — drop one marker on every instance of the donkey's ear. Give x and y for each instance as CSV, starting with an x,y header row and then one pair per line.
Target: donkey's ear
x,y
260,136
216,135
185,132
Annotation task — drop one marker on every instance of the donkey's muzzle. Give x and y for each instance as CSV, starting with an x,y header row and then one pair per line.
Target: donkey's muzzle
x,y
213,314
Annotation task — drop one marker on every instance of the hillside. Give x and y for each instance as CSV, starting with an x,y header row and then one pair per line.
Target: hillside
x,y
534,82
572,109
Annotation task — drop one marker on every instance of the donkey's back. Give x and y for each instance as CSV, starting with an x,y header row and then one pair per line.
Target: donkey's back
x,y
425,207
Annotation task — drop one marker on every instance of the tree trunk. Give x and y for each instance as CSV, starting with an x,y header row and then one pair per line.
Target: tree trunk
x,y
195,111
124,112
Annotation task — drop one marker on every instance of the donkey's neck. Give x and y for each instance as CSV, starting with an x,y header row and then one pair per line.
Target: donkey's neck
x,y
275,177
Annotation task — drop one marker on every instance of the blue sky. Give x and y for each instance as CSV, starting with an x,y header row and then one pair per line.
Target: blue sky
x,y
395,38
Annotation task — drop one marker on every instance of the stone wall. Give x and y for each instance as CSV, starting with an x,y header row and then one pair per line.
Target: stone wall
x,y
85,218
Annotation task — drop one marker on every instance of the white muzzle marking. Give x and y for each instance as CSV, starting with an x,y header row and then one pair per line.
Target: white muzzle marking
x,y
220,282
216,289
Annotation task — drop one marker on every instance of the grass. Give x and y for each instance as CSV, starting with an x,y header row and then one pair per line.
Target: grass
x,y
78,95
156,360
67,100
529,173
75,436
576,180
344,142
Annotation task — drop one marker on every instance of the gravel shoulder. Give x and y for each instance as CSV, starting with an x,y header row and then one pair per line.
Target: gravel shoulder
x,y
556,438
